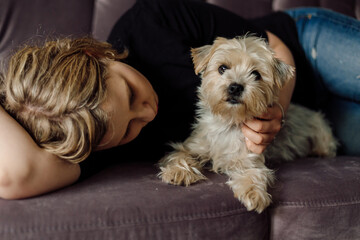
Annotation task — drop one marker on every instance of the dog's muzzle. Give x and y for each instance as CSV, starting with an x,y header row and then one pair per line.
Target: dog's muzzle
x,y
234,93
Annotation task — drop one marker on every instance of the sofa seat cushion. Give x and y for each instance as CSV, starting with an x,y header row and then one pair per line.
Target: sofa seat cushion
x,y
129,202
318,198
312,197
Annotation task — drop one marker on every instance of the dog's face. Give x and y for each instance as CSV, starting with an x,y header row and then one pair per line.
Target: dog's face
x,y
240,77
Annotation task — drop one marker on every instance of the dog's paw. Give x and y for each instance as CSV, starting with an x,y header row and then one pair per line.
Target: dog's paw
x,y
253,197
180,170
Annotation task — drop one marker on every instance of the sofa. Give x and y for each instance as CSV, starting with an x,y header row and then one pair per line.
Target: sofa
x,y
313,198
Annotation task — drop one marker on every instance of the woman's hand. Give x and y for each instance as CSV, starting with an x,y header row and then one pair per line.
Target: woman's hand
x,y
259,132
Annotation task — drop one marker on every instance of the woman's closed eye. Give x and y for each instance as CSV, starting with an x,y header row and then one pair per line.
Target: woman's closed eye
x,y
131,94
127,131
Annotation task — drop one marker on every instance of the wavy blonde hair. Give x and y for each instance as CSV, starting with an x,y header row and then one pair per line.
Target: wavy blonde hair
x,y
55,92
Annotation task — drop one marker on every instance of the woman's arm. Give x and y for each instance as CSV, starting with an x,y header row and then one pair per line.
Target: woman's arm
x,y
261,131
25,169
283,53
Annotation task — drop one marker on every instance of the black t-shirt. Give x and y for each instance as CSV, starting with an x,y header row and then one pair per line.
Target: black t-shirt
x,y
159,35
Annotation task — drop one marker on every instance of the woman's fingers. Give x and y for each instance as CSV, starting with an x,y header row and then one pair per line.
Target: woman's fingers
x,y
255,148
260,132
257,137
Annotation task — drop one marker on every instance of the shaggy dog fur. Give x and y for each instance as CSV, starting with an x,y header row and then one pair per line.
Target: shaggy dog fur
x,y
241,78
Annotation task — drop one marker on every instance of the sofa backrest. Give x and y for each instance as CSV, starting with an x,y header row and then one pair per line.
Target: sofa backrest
x,y
22,21
256,8
106,14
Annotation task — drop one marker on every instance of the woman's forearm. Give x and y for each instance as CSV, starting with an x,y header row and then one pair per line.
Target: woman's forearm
x,y
26,170
283,53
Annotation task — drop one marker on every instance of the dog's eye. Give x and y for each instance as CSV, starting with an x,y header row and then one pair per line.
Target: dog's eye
x,y
256,74
222,69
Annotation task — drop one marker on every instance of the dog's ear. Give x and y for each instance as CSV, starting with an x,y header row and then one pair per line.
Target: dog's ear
x,y
282,72
201,57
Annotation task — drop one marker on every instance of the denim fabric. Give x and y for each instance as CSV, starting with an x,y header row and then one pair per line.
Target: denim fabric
x,y
331,42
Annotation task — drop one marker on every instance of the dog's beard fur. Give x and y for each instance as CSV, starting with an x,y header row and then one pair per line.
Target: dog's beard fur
x,y
241,78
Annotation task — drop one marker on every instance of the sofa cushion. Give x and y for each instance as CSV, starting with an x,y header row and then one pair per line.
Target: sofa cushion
x,y
312,197
129,201
318,198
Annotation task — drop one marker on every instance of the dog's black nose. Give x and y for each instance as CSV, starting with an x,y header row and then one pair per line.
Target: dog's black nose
x,y
235,89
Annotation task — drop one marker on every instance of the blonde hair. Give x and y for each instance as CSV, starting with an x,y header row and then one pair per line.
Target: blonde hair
x,y
55,92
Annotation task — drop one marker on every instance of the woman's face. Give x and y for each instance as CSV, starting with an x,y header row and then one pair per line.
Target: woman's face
x,y
131,103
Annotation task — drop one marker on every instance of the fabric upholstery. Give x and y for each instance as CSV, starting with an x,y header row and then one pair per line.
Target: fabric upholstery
x,y
260,7
348,7
130,202
318,198
312,198
106,14
23,21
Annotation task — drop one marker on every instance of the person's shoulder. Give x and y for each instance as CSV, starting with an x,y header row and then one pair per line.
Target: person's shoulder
x,y
278,22
278,16
166,6
161,2
150,5
143,9
282,16
126,24
146,12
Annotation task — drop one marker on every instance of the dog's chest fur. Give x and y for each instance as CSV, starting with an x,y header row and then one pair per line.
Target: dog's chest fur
x,y
221,138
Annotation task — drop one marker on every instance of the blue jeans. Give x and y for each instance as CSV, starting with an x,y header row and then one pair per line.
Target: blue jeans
x,y
331,42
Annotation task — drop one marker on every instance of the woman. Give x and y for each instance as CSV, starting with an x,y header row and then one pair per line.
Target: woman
x,y
78,96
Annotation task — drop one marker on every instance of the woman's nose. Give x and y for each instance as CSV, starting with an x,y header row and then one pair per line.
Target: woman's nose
x,y
145,112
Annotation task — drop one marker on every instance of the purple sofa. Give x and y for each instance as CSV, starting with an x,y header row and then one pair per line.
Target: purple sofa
x,y
312,199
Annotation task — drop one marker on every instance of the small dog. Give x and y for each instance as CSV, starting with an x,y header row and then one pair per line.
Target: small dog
x,y
241,78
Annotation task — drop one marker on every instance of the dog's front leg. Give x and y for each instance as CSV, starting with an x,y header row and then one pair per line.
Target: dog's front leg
x,y
250,180
180,167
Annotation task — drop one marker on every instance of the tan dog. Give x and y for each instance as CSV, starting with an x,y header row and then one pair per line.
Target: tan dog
x,y
240,79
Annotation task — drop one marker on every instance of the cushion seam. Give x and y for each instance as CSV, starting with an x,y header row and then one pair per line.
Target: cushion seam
x,y
316,203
